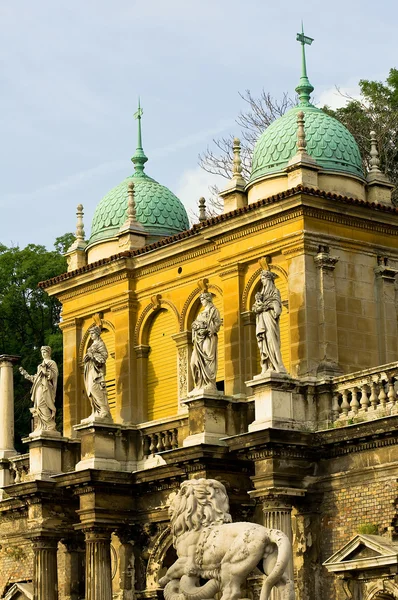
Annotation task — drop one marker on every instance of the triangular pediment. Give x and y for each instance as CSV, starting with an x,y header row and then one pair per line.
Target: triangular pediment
x,y
20,591
363,552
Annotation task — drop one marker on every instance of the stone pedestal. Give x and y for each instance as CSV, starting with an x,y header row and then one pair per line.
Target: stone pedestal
x,y
98,446
98,564
273,401
206,418
45,454
45,579
7,405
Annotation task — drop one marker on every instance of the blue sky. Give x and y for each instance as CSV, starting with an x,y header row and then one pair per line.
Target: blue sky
x,y
72,71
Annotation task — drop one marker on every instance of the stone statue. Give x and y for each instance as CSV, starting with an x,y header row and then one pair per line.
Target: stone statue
x,y
267,308
205,342
43,391
209,546
94,376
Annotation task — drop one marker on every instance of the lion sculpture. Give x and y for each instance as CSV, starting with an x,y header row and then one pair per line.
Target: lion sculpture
x,y
209,546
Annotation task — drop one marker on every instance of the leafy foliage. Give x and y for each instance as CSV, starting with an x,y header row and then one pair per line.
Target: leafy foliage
x,y
29,318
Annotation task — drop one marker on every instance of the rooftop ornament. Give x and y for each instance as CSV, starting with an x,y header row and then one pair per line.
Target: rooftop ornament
x,y
304,88
139,159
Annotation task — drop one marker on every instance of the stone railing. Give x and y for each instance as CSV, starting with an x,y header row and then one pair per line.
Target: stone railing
x,y
19,467
365,395
163,436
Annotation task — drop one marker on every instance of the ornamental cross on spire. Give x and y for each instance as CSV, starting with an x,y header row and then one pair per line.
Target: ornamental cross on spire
x,y
304,87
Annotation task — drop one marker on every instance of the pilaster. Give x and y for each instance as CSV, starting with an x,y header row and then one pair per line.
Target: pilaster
x,y
385,278
142,353
327,313
233,335
250,344
128,405
183,341
75,403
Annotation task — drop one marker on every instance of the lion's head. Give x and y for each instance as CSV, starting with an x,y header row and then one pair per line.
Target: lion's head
x,y
199,503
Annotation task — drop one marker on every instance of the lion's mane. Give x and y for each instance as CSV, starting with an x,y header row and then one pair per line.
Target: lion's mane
x,y
199,503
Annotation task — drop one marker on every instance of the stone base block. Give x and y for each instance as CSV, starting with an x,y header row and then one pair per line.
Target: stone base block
x,y
273,401
6,453
98,445
206,418
45,454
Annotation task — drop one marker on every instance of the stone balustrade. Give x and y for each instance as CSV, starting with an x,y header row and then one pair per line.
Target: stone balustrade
x,y
365,395
159,441
19,467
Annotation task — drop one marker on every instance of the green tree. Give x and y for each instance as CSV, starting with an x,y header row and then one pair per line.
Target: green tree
x,y
29,318
377,110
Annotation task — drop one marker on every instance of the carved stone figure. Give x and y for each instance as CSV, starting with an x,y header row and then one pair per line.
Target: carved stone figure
x,y
210,547
268,308
94,376
205,342
43,391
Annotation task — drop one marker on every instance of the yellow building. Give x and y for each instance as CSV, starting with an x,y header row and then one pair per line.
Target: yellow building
x,y
328,231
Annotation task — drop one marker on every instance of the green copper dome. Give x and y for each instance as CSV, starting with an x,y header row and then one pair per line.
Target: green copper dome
x,y
328,141
158,210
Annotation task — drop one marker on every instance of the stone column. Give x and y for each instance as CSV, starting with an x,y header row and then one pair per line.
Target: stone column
x,y
7,405
183,341
386,311
327,327
45,577
98,564
74,576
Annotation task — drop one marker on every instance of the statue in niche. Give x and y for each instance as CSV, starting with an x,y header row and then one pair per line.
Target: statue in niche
x,y
268,308
205,341
209,546
43,391
94,376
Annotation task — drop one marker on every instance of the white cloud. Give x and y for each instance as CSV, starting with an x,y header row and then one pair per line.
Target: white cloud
x,y
337,97
193,184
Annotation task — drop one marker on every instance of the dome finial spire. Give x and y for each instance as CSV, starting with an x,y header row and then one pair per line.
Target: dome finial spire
x,y
304,87
139,159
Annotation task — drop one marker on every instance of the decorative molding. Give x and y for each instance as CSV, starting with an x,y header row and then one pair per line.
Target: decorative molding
x,y
104,281
165,264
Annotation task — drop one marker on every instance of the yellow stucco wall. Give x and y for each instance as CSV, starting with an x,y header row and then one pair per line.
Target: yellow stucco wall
x,y
141,298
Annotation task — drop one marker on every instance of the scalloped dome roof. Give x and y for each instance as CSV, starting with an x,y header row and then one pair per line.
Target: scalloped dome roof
x,y
160,212
328,142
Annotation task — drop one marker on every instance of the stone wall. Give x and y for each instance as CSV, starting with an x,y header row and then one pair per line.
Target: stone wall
x,y
16,564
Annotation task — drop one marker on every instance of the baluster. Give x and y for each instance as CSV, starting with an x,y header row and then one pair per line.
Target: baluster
x,y
174,438
373,395
154,444
382,397
392,396
345,405
145,446
354,405
335,406
364,398
167,440
161,441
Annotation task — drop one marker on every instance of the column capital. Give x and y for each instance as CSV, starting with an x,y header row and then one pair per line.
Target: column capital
x,y
182,338
8,358
385,273
142,351
325,262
